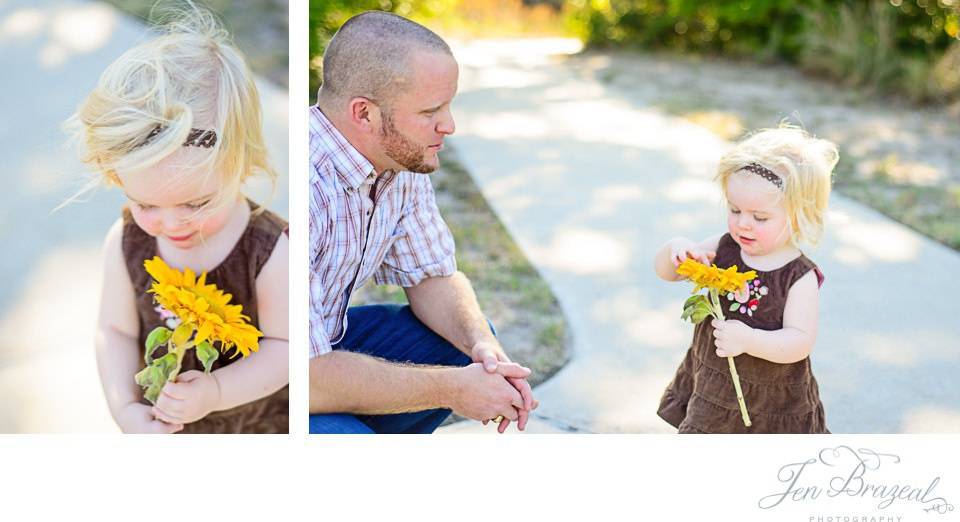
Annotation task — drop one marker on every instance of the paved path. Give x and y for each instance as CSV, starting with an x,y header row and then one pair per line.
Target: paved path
x,y
52,53
590,182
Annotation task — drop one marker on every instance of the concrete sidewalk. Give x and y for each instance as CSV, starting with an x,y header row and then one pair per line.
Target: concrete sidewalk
x,y
52,53
591,182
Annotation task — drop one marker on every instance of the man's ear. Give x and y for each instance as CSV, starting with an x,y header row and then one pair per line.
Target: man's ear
x,y
364,114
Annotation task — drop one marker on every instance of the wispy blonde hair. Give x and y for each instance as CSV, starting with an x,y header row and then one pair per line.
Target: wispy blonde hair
x,y
804,163
188,76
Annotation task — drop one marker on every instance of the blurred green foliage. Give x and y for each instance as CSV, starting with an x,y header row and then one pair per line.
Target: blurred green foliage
x,y
258,27
893,45
447,17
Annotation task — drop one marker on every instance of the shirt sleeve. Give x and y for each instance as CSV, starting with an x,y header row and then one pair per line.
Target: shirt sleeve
x,y
423,245
321,229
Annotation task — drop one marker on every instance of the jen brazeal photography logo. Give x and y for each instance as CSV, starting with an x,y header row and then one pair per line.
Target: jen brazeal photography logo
x,y
845,484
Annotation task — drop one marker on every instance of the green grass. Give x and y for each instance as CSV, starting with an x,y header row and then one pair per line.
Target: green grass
x,y
931,210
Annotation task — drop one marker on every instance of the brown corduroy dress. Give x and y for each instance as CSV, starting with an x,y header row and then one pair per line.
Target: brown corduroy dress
x,y
236,275
781,398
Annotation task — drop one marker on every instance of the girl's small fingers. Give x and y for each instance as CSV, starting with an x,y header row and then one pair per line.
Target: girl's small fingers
x,y
169,405
173,390
165,417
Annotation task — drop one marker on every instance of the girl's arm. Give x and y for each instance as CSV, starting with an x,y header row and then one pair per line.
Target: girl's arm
x,y
118,358
673,253
790,344
265,371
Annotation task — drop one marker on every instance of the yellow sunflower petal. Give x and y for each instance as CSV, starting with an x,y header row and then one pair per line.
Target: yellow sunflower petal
x,y
204,307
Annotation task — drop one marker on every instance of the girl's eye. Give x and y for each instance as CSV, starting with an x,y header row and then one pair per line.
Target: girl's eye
x,y
143,207
734,211
197,206
761,219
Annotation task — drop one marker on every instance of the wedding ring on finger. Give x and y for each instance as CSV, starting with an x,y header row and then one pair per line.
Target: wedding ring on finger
x,y
498,419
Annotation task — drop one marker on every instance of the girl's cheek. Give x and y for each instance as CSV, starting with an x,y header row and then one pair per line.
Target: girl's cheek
x,y
213,224
145,221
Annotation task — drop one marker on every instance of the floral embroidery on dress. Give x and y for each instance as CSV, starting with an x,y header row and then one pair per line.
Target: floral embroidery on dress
x,y
170,319
746,300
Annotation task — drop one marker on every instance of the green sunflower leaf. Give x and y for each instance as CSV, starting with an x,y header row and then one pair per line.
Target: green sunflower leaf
x,y
143,377
207,355
166,365
693,300
158,336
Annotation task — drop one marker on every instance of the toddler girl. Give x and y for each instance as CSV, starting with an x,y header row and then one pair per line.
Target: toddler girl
x,y
776,183
175,124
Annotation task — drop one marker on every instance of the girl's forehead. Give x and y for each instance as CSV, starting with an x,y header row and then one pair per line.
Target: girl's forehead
x,y
175,180
749,191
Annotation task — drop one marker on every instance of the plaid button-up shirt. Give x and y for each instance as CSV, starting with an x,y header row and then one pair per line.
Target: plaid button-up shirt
x,y
397,238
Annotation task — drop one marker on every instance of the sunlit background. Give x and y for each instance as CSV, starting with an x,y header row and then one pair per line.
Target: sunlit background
x,y
52,53
593,128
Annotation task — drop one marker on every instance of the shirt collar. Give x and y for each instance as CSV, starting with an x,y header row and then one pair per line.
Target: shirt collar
x,y
351,166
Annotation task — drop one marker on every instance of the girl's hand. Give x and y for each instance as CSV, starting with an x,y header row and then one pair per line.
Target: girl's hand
x,y
138,418
682,248
732,337
190,398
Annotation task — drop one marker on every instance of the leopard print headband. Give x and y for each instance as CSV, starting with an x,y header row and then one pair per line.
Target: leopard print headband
x,y
196,138
764,173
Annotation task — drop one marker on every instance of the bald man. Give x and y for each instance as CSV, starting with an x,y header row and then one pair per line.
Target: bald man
x,y
382,114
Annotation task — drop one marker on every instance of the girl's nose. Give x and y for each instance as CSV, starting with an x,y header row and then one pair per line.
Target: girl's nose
x,y
744,221
172,219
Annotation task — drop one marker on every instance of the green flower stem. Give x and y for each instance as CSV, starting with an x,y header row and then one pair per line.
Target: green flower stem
x,y
181,352
715,298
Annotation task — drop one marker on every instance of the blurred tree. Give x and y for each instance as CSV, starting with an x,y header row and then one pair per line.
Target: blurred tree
x,y
886,44
449,17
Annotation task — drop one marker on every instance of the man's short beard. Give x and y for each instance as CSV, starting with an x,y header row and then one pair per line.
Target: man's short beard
x,y
400,149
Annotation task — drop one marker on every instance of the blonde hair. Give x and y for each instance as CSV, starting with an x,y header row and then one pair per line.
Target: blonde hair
x,y
188,76
804,163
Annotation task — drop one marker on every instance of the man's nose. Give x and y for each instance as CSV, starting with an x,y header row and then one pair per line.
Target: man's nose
x,y
446,124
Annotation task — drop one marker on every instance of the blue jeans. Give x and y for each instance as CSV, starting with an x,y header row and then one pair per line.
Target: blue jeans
x,y
393,333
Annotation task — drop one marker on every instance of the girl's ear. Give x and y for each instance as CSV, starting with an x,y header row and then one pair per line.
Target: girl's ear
x,y
364,114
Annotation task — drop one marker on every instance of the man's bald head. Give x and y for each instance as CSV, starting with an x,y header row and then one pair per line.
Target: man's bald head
x,y
369,57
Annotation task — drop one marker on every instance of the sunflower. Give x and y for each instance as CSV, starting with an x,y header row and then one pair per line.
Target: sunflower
x,y
704,276
730,280
699,307
204,307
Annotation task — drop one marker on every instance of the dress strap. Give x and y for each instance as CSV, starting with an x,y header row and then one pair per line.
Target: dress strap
x,y
258,240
